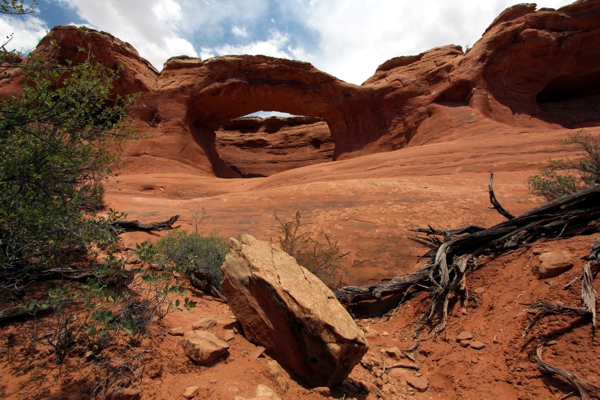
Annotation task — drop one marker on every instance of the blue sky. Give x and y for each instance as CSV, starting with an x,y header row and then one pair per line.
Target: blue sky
x,y
346,38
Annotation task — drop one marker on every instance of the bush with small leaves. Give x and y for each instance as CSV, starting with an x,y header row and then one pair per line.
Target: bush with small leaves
x,y
579,174
317,252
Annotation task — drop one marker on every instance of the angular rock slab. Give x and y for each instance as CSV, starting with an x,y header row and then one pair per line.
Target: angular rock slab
x,y
203,347
290,312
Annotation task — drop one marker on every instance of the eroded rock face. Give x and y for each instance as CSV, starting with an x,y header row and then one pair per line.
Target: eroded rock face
x,y
290,312
530,69
256,147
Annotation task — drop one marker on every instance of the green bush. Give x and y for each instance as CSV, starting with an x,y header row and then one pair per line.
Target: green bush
x,y
319,253
59,139
579,174
185,252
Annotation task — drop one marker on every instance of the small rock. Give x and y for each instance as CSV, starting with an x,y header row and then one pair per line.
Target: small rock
x,y
275,373
243,352
229,335
371,334
465,343
477,345
203,347
176,331
418,374
464,336
190,392
323,391
480,290
385,334
418,383
257,352
262,393
554,264
551,343
205,324
394,352
379,382
474,360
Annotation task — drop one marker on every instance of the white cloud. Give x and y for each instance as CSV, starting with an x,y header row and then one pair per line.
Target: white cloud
x,y
356,35
28,31
149,25
274,46
237,31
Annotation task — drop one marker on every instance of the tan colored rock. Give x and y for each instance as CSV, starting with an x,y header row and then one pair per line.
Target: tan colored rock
x,y
190,392
276,374
477,345
464,336
418,383
554,263
290,312
203,347
262,393
176,331
205,324
323,391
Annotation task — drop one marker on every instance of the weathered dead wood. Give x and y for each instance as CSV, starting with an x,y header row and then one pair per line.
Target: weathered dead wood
x,y
117,278
135,225
495,202
20,312
203,281
585,389
459,254
547,309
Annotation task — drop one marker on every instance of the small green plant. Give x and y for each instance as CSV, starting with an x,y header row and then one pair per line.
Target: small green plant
x,y
187,253
579,174
318,253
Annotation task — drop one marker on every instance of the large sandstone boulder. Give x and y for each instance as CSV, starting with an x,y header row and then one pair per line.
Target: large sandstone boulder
x,y
290,312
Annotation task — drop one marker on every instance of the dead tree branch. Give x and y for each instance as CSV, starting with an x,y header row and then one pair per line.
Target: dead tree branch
x,y
135,225
495,202
457,252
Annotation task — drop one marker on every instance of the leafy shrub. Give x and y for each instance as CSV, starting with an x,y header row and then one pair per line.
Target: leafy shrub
x,y
185,252
580,174
319,253
59,139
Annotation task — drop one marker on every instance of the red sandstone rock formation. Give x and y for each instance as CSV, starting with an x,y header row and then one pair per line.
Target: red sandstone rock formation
x,y
530,69
262,147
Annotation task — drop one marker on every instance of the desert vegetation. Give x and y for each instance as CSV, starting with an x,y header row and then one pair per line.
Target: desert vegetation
x,y
565,176
316,251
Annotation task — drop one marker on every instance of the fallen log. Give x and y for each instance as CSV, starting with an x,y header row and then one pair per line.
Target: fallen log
x,y
459,252
135,225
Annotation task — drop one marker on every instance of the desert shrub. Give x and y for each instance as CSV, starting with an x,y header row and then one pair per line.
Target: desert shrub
x,y
578,174
317,252
59,139
185,252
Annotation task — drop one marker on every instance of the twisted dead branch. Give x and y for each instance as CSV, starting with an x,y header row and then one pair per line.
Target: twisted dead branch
x,y
457,253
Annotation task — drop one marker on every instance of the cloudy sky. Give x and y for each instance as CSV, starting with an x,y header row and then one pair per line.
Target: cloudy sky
x,y
346,38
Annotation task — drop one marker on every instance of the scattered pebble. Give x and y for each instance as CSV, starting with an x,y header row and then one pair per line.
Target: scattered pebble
x,y
464,336
480,290
190,392
176,331
418,383
477,345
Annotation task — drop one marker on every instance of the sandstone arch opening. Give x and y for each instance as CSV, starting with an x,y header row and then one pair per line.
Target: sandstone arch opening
x,y
253,146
